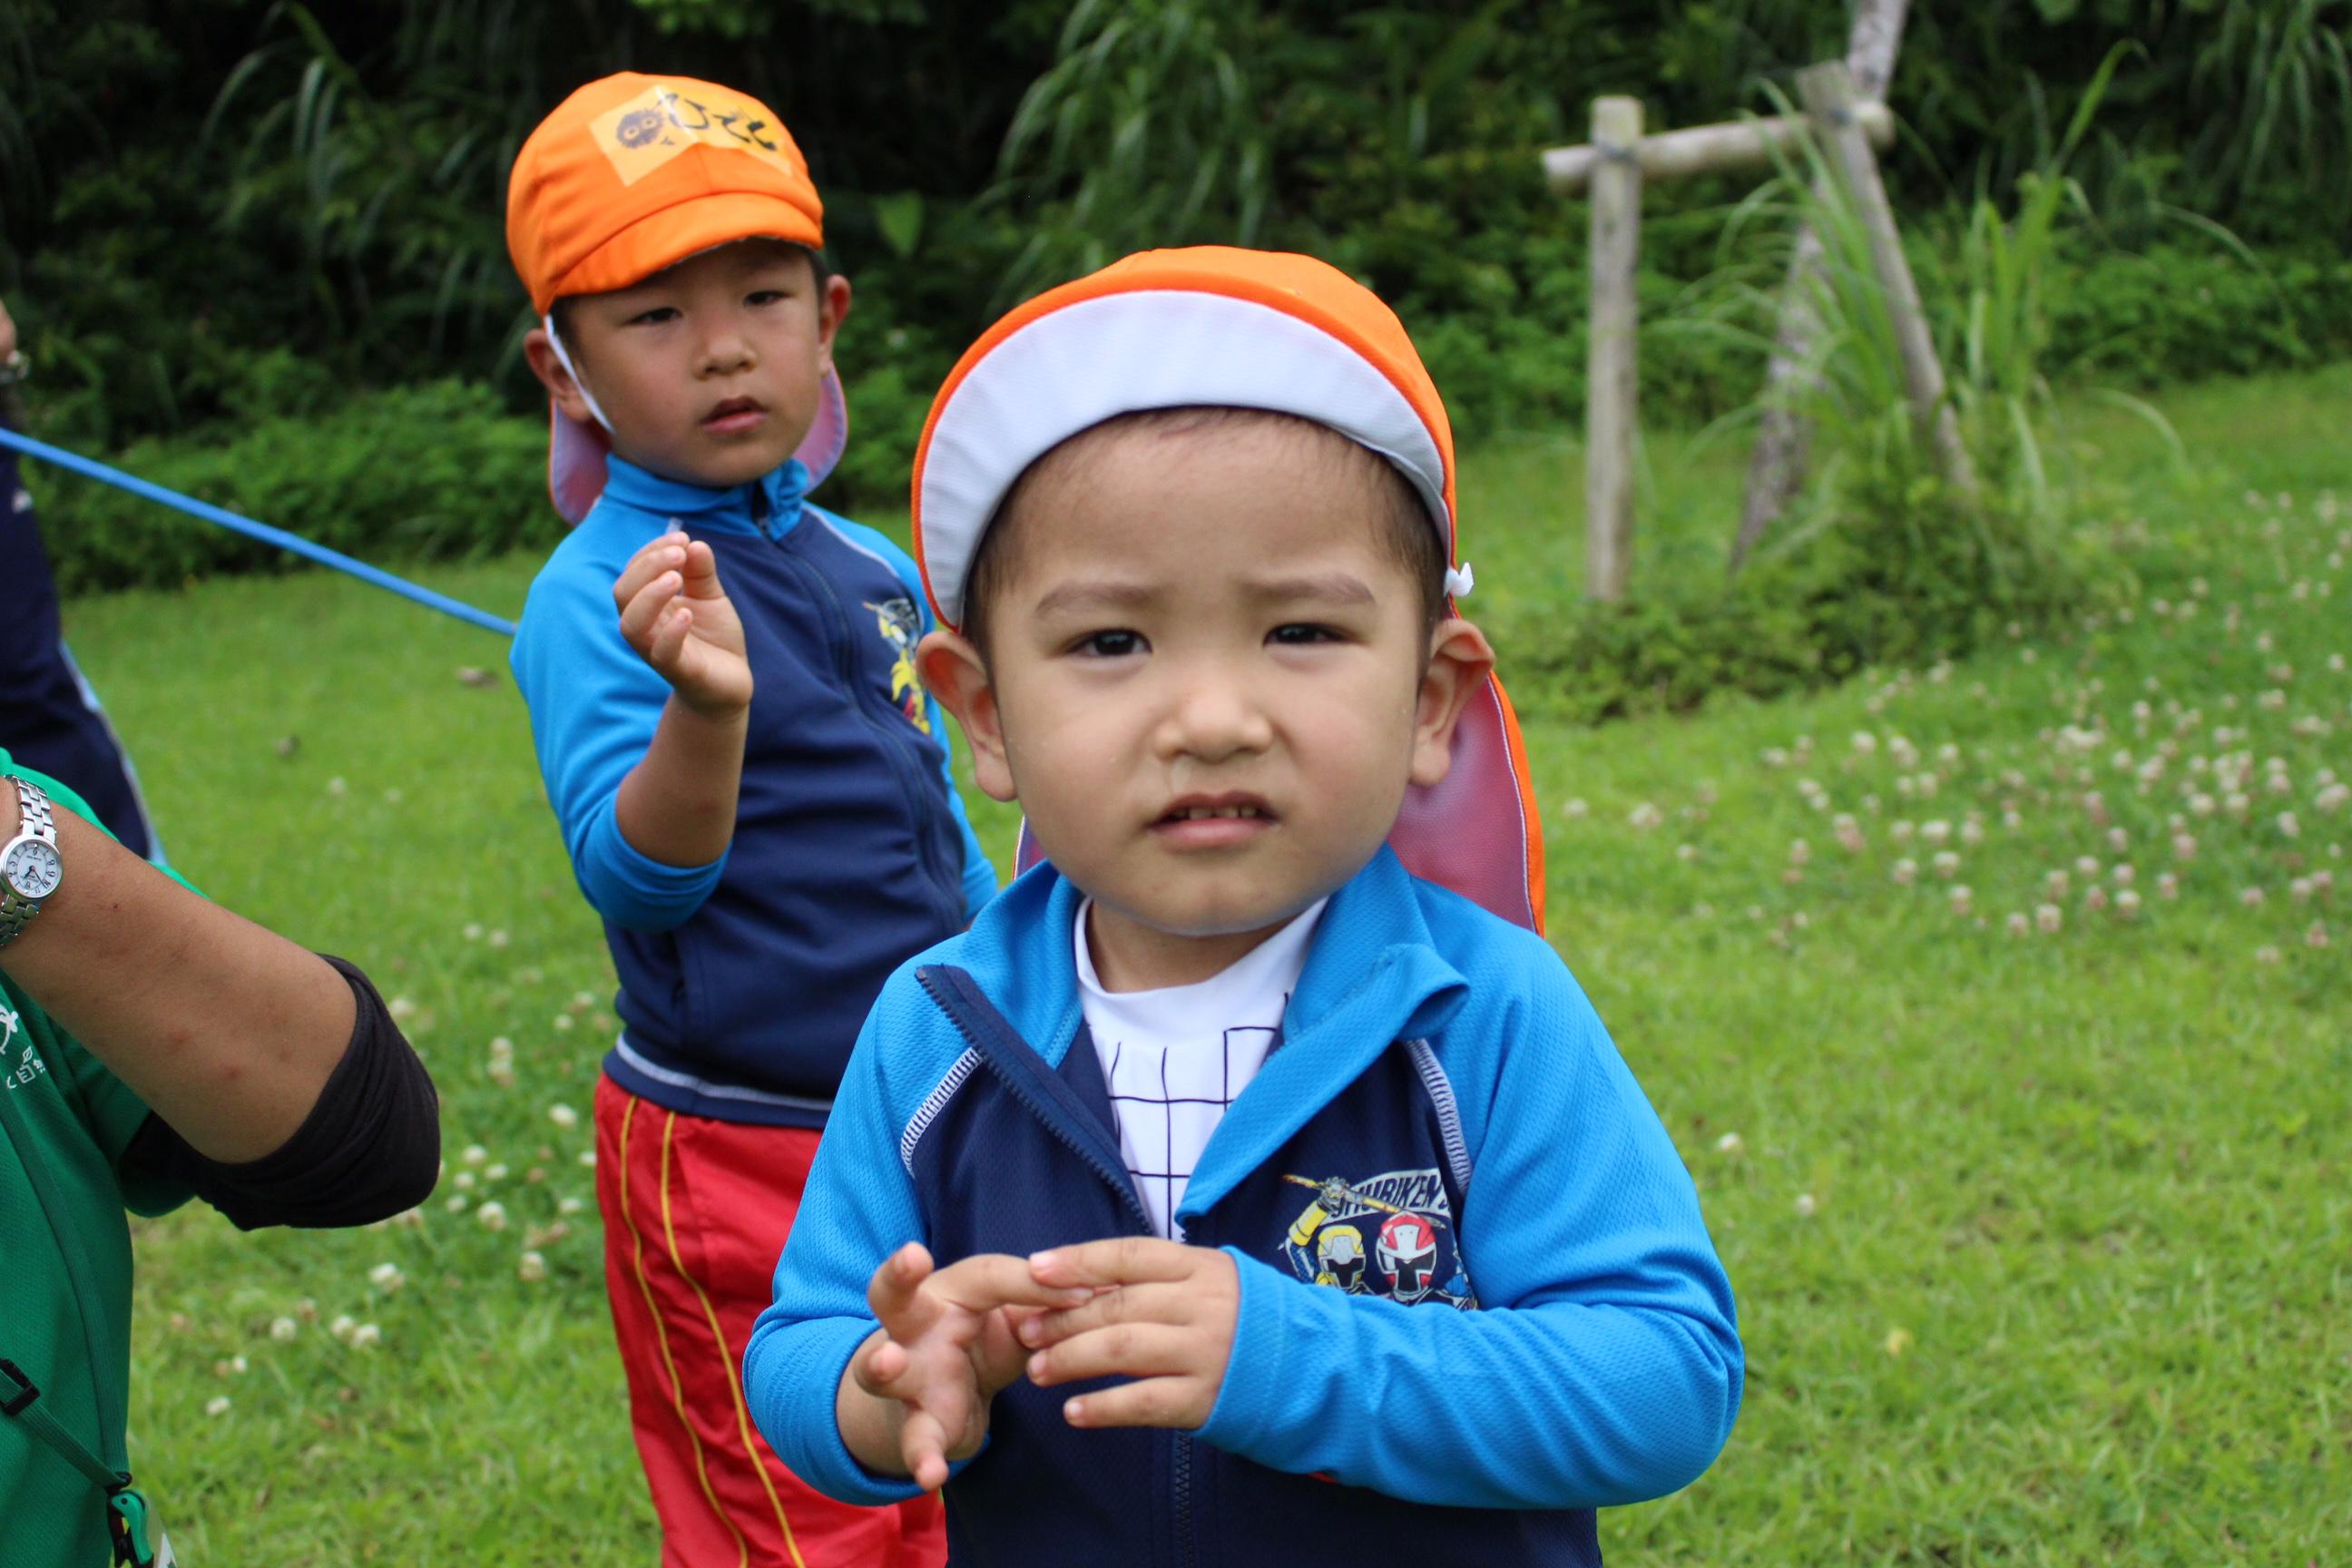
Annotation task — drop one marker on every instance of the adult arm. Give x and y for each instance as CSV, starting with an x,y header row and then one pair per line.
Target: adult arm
x,y
229,1033
370,1148
1603,1366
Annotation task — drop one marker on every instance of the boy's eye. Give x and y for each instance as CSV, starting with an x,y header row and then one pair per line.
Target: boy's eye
x,y
1300,635
653,317
1108,645
765,296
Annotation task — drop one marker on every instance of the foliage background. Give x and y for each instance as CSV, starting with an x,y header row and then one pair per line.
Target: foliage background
x,y
231,210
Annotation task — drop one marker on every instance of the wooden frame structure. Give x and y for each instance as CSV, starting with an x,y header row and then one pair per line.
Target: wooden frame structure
x,y
1611,172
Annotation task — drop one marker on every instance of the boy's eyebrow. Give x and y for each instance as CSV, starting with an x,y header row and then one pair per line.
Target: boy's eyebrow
x,y
1093,596
1333,587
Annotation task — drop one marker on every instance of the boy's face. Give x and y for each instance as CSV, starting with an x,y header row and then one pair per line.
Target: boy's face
x,y
709,370
1207,681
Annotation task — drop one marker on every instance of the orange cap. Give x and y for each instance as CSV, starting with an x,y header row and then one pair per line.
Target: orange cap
x,y
1216,326
633,174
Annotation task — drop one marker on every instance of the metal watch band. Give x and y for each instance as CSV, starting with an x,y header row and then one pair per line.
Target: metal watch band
x,y
16,912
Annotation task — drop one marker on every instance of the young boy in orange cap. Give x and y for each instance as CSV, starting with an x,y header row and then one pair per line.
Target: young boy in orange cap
x,y
752,781
1252,1183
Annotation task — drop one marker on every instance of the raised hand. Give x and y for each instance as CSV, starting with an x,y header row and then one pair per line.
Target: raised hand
x,y
1159,1312
675,613
946,1347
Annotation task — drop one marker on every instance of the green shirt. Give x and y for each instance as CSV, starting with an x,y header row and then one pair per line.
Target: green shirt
x,y
80,1117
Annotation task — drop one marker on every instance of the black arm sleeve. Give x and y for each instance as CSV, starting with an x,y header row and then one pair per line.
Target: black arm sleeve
x,y
370,1148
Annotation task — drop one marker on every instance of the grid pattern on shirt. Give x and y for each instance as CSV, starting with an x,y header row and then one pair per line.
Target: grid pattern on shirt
x,y
1168,1101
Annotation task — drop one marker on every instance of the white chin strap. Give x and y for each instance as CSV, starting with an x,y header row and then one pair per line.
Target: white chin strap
x,y
1458,579
555,340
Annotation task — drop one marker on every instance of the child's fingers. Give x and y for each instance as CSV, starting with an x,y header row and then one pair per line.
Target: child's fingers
x,y
923,1449
991,1279
668,645
879,1366
1120,1260
893,1290
642,611
1152,1303
701,570
1125,1349
667,553
1182,1403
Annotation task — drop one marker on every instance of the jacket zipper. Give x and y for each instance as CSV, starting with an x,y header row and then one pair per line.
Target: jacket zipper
x,y
1114,1179
894,746
1180,1445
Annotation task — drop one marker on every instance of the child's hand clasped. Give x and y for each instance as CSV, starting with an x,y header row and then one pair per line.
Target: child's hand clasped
x,y
677,614
1159,1312
946,1349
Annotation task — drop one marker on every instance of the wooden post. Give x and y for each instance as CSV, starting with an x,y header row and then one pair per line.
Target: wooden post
x,y
1828,96
1610,422
1784,436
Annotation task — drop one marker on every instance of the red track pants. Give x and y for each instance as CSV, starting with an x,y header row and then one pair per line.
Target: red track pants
x,y
694,1213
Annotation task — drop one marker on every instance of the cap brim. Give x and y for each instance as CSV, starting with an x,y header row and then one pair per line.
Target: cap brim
x,y
576,450
665,237
1476,831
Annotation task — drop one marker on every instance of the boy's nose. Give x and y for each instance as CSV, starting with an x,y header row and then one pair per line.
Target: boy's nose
x,y
1212,720
726,351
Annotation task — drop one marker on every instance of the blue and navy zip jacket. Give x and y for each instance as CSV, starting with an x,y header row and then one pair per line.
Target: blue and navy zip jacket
x,y
1477,1300
743,981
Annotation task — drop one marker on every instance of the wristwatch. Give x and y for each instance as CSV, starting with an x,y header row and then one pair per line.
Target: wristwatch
x,y
30,869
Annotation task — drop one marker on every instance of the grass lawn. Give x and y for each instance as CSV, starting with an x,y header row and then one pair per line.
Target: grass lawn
x,y
2043,1242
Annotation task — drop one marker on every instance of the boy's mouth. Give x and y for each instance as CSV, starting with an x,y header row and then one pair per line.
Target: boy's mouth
x,y
1211,822
734,415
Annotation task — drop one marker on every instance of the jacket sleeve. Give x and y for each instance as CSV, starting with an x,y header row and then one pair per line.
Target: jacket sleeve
x,y
979,874
594,706
857,1208
1603,1365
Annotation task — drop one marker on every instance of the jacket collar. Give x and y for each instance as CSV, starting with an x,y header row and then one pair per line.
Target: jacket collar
x,y
768,506
1373,976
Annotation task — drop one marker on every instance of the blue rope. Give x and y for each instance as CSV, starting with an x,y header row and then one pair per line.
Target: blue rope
x,y
252,530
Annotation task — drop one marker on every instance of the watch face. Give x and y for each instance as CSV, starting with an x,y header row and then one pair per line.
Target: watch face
x,y
33,869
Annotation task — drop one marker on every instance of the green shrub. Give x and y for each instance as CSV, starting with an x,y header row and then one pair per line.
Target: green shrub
x,y
438,470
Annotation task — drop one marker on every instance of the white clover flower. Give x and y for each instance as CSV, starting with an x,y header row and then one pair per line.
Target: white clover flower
x,y
2167,886
1574,809
402,1009
2287,825
497,1172
492,1216
531,1269
1906,872
284,1329
1946,864
342,1328
2018,925
2047,919
458,1204
1806,1206
463,1181
497,939
387,1278
2124,875
1644,816
2250,897
2127,904
1936,832
588,1158
1730,1144
218,1405
2118,840
2266,955
2096,899
2300,890
1963,898
2316,934
2085,867
569,1205
1864,742
475,1155
473,931
2054,884
564,1116
366,1337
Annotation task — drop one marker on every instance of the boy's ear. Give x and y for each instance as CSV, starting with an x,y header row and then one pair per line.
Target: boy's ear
x,y
1460,661
953,672
831,310
540,354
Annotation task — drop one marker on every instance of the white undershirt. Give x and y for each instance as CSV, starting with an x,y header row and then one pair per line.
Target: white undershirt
x,y
1174,1059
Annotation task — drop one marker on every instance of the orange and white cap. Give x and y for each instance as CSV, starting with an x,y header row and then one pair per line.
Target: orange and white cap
x,y
633,174
1213,326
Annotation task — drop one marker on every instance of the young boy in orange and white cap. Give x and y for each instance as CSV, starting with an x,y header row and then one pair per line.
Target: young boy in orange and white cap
x,y
1252,1183
752,781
